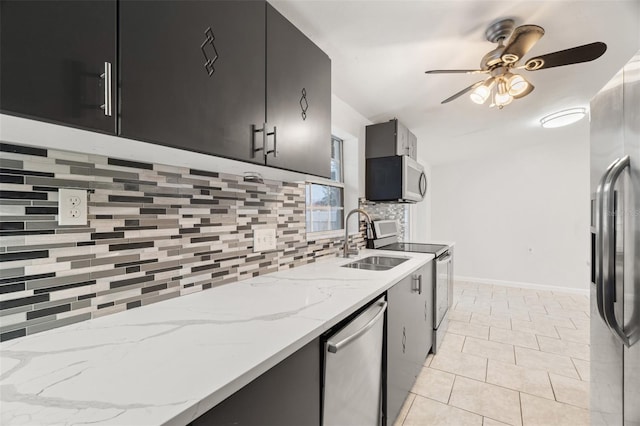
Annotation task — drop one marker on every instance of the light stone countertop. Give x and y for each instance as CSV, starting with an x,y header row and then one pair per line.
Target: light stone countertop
x,y
170,362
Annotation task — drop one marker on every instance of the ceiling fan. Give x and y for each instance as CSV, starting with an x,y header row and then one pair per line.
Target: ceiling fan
x,y
503,85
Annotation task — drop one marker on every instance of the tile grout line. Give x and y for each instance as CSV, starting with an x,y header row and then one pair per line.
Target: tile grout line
x,y
521,411
409,409
455,376
552,388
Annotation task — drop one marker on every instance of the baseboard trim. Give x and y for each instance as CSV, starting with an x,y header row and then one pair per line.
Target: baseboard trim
x,y
532,286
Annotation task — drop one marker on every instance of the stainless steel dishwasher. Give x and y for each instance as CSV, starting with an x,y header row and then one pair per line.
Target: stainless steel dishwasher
x,y
352,391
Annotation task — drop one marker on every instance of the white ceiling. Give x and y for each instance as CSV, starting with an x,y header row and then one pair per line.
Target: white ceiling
x,y
381,48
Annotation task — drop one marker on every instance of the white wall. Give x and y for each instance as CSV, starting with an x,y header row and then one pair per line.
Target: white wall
x,y
521,216
349,125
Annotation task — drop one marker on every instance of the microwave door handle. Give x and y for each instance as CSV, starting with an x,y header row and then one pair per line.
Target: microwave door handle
x,y
608,216
423,178
599,257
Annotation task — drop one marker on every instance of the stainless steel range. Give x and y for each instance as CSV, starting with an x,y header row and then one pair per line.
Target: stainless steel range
x,y
386,238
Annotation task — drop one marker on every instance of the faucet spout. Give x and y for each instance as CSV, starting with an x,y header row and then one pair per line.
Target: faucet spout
x,y
345,251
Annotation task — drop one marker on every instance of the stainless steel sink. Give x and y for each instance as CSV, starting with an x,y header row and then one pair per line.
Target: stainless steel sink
x,y
376,263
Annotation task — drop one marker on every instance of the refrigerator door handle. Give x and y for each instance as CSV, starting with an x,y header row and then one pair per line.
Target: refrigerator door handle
x,y
599,257
608,218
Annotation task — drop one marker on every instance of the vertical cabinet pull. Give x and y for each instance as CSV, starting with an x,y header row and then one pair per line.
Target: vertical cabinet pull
x,y
265,135
418,280
273,151
106,76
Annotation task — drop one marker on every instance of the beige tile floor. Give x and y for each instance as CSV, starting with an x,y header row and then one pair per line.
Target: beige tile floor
x,y
511,356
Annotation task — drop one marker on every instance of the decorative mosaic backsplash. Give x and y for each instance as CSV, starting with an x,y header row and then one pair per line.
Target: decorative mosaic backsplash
x,y
389,211
154,232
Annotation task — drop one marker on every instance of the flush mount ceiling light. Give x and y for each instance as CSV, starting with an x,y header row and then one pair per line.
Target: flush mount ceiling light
x,y
503,85
563,118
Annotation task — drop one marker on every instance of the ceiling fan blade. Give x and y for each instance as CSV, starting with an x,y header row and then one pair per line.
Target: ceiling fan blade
x,y
521,41
575,55
462,92
529,89
456,72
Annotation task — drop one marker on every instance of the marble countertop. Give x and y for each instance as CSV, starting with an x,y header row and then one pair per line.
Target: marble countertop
x,y
170,362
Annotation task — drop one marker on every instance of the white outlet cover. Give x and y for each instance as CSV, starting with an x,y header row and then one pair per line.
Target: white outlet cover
x,y
72,206
264,240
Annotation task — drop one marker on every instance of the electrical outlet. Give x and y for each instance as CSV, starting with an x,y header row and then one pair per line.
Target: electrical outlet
x,y
264,240
72,207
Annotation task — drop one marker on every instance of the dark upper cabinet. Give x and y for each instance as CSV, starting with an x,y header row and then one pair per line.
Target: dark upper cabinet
x,y
192,74
54,56
298,99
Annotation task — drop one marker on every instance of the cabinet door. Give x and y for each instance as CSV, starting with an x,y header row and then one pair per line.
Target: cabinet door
x,y
402,139
412,146
193,74
287,394
404,343
53,56
298,99
426,303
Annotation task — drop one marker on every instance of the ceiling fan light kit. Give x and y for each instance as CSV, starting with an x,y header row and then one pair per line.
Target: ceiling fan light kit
x,y
563,118
503,86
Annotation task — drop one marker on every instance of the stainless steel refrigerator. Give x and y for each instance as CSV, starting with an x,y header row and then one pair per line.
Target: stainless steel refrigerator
x,y
615,248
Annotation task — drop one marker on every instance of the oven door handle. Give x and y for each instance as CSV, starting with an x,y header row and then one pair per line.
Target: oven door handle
x,y
445,258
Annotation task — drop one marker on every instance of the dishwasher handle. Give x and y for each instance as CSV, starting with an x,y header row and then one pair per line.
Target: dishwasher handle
x,y
335,347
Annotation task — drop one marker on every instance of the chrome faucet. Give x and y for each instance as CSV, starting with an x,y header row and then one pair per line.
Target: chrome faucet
x,y
346,252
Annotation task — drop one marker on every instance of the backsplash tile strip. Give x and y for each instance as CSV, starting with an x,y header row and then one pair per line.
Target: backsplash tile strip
x,y
154,232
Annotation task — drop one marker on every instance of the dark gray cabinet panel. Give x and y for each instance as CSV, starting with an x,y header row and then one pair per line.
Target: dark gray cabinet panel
x,y
390,138
288,394
192,74
298,99
53,55
409,330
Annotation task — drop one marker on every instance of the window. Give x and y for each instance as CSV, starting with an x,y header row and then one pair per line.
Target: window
x,y
336,159
325,198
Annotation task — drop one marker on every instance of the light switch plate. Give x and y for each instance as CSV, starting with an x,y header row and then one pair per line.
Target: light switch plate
x,y
264,240
72,207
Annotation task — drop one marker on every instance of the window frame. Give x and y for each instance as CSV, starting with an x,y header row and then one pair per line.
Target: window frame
x,y
315,180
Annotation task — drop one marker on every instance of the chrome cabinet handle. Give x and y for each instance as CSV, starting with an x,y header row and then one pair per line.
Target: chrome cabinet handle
x,y
417,279
265,135
608,218
274,151
335,347
106,76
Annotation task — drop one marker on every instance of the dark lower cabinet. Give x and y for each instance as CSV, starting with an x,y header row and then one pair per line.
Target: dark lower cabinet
x,y
54,57
287,394
192,74
409,335
298,99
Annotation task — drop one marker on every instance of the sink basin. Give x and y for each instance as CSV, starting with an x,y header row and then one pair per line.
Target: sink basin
x,y
383,260
376,263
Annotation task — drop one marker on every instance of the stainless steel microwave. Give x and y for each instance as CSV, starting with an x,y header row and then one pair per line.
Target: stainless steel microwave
x,y
396,178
